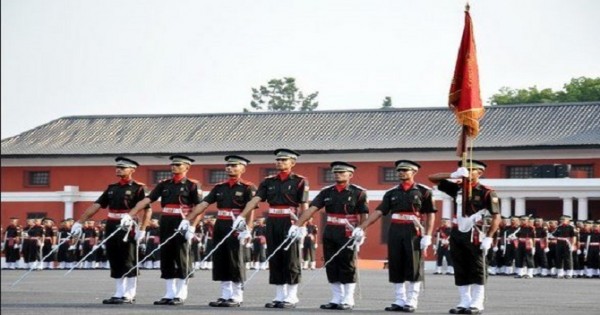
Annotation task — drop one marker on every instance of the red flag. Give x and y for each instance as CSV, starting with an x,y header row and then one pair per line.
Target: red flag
x,y
464,98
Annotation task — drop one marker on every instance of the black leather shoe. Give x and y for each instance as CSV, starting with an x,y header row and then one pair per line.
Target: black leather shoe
x,y
473,310
231,303
273,304
112,300
127,301
217,303
163,301
286,305
457,310
329,306
408,309
394,308
176,301
344,307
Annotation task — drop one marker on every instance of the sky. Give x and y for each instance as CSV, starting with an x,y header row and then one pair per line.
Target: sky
x,y
68,58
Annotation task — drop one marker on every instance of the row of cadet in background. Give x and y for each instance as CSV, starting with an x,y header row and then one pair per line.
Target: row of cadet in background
x,y
24,247
523,247
526,247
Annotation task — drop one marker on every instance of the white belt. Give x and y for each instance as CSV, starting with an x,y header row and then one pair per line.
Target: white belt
x,y
337,220
114,215
405,217
226,213
172,210
280,211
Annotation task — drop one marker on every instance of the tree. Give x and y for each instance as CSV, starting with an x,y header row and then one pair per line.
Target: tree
x,y
581,89
387,102
282,95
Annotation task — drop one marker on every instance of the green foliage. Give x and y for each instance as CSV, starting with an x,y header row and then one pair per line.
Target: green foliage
x,y
387,102
581,89
282,95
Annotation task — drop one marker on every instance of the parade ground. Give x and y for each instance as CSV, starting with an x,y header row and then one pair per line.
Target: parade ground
x,y
82,291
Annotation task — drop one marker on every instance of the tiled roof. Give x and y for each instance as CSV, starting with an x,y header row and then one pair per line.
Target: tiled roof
x,y
416,129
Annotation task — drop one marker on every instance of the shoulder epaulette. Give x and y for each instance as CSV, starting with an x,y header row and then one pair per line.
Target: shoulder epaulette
x,y
328,187
195,181
271,176
247,182
139,183
357,186
424,186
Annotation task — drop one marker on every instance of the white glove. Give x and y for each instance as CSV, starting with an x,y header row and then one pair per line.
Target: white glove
x,y
17,246
585,252
358,234
460,173
54,246
425,242
103,246
546,250
495,248
239,223
294,232
189,233
502,247
126,221
579,252
94,247
76,229
184,225
486,244
244,235
303,232
476,217
533,251
435,248
139,235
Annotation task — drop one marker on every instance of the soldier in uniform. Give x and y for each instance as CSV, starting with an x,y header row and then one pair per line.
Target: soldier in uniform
x,y
118,198
152,241
442,247
286,193
90,241
12,243
510,243
310,245
525,249
408,239
551,253
585,236
259,244
592,254
62,255
346,207
565,236
101,257
231,197
178,196
499,248
50,234
541,247
468,241
27,243
35,238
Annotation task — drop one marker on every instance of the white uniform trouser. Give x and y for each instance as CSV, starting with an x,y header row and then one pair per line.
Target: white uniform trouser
x,y
348,297
477,296
337,292
292,294
412,293
130,287
181,289
400,294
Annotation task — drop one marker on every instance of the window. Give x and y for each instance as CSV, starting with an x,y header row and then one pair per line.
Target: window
x,y
159,176
521,171
269,172
38,178
388,175
217,176
326,176
583,169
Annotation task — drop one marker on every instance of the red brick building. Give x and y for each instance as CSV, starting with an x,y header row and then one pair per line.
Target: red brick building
x,y
542,159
